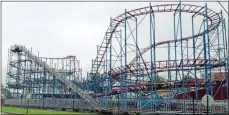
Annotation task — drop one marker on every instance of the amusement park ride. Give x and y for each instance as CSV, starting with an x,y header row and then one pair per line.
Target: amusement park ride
x,y
125,72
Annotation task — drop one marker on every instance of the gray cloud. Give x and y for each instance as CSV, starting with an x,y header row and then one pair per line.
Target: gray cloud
x,y
60,29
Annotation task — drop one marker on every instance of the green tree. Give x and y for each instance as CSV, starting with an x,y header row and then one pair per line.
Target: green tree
x,y
188,77
160,79
2,90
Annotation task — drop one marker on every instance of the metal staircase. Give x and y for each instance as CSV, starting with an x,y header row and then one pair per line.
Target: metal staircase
x,y
100,54
102,49
95,104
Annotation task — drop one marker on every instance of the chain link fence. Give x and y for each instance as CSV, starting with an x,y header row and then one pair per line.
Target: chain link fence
x,y
174,105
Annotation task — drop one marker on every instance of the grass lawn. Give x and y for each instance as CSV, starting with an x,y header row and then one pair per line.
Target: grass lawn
x,y
15,110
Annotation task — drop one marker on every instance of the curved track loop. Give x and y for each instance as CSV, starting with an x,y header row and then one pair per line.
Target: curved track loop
x,y
165,85
213,17
166,65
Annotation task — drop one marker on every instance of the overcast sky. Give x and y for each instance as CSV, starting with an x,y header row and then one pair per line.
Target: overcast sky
x,y
61,29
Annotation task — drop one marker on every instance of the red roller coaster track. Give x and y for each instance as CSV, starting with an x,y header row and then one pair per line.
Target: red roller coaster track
x,y
196,10
165,85
161,66
166,65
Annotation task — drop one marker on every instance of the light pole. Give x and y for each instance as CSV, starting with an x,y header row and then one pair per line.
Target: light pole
x,y
21,99
43,100
27,110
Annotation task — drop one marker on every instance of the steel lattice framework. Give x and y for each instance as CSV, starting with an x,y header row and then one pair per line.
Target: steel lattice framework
x,y
125,74
26,76
135,70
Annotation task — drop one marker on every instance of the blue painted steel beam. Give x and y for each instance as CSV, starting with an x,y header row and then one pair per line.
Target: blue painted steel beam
x,y
194,57
125,54
175,51
209,53
182,63
151,60
205,55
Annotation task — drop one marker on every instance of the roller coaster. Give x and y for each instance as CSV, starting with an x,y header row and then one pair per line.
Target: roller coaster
x,y
132,74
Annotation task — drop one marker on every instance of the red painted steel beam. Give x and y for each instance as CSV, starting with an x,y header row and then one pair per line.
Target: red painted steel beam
x,y
161,68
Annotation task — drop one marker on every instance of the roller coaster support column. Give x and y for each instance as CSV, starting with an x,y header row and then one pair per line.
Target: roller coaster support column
x,y
182,63
65,86
43,84
194,57
104,89
53,87
125,54
74,76
225,55
30,77
137,59
39,84
33,83
169,79
24,88
53,91
175,45
169,58
205,58
110,77
18,72
209,56
106,61
97,64
220,71
121,53
152,59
